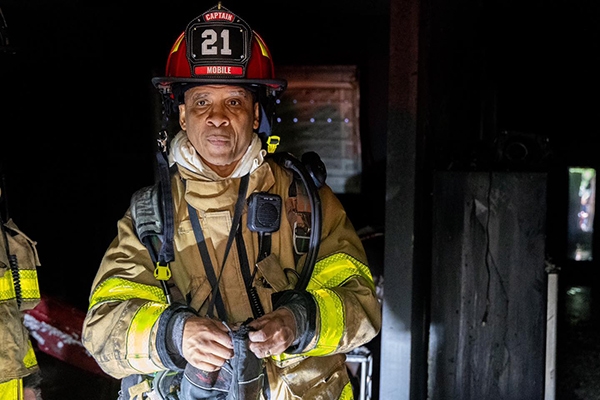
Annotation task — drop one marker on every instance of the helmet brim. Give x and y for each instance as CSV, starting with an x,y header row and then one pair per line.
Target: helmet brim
x,y
163,84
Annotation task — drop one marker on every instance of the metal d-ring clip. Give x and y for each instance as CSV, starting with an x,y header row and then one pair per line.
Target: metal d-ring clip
x,y
301,239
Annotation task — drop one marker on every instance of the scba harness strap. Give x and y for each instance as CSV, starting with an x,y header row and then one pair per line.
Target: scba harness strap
x,y
303,212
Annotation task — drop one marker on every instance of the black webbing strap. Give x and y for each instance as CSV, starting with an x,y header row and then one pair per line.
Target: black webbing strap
x,y
217,299
257,308
264,245
208,267
166,254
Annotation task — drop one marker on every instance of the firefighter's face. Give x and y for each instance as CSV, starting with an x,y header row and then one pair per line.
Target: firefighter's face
x,y
219,121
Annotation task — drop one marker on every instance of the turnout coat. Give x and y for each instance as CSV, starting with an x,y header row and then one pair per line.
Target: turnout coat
x,y
19,291
122,329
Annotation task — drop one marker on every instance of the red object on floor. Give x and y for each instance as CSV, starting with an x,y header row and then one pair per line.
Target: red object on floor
x,y
56,327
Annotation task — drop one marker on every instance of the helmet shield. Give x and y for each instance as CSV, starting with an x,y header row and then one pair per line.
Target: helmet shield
x,y
218,48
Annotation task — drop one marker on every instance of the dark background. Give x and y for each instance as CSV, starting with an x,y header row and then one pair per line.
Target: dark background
x,y
78,115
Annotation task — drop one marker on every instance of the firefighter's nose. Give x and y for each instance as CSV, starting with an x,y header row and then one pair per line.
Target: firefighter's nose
x,y
217,117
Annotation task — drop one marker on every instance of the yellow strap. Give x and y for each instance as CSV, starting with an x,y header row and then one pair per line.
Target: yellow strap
x,y
11,390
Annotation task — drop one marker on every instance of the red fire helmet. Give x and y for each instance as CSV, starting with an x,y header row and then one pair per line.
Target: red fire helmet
x,y
219,47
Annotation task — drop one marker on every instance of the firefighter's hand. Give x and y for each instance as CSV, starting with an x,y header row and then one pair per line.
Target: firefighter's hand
x,y
273,333
31,394
206,343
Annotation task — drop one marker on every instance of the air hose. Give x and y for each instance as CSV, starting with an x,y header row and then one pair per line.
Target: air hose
x,y
310,178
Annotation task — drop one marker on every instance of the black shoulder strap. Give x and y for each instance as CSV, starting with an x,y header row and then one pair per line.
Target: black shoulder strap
x,y
166,253
147,218
152,213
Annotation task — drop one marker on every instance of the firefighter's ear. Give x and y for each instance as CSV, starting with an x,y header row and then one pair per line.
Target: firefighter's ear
x,y
256,123
182,116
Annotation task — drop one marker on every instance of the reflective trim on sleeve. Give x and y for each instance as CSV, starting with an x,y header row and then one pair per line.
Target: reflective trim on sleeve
x,y
331,313
30,360
119,289
332,272
347,393
30,289
11,390
28,280
336,269
139,340
7,290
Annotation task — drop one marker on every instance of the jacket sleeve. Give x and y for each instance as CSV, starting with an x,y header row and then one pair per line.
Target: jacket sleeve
x,y
346,312
19,291
126,303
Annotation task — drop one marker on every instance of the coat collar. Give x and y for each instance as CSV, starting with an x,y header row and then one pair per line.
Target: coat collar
x,y
203,194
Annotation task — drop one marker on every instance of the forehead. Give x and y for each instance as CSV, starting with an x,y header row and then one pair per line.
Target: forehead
x,y
217,90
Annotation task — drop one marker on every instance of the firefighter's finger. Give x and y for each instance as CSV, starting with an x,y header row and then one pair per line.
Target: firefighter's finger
x,y
204,366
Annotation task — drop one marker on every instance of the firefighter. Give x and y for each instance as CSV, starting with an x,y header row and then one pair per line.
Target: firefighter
x,y
20,376
238,310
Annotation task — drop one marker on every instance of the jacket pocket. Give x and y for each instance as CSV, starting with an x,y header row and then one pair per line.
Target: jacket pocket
x,y
317,378
271,274
270,278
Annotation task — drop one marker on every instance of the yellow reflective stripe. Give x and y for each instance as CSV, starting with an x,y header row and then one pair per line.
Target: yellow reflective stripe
x,y
30,360
119,289
139,333
347,393
139,336
28,280
30,290
328,273
177,43
7,290
331,314
11,390
331,272
263,47
336,269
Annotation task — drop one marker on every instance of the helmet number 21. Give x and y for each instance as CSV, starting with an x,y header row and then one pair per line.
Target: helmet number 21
x,y
211,37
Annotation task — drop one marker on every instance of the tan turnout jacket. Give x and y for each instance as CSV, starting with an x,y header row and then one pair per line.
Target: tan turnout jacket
x,y
126,300
19,291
